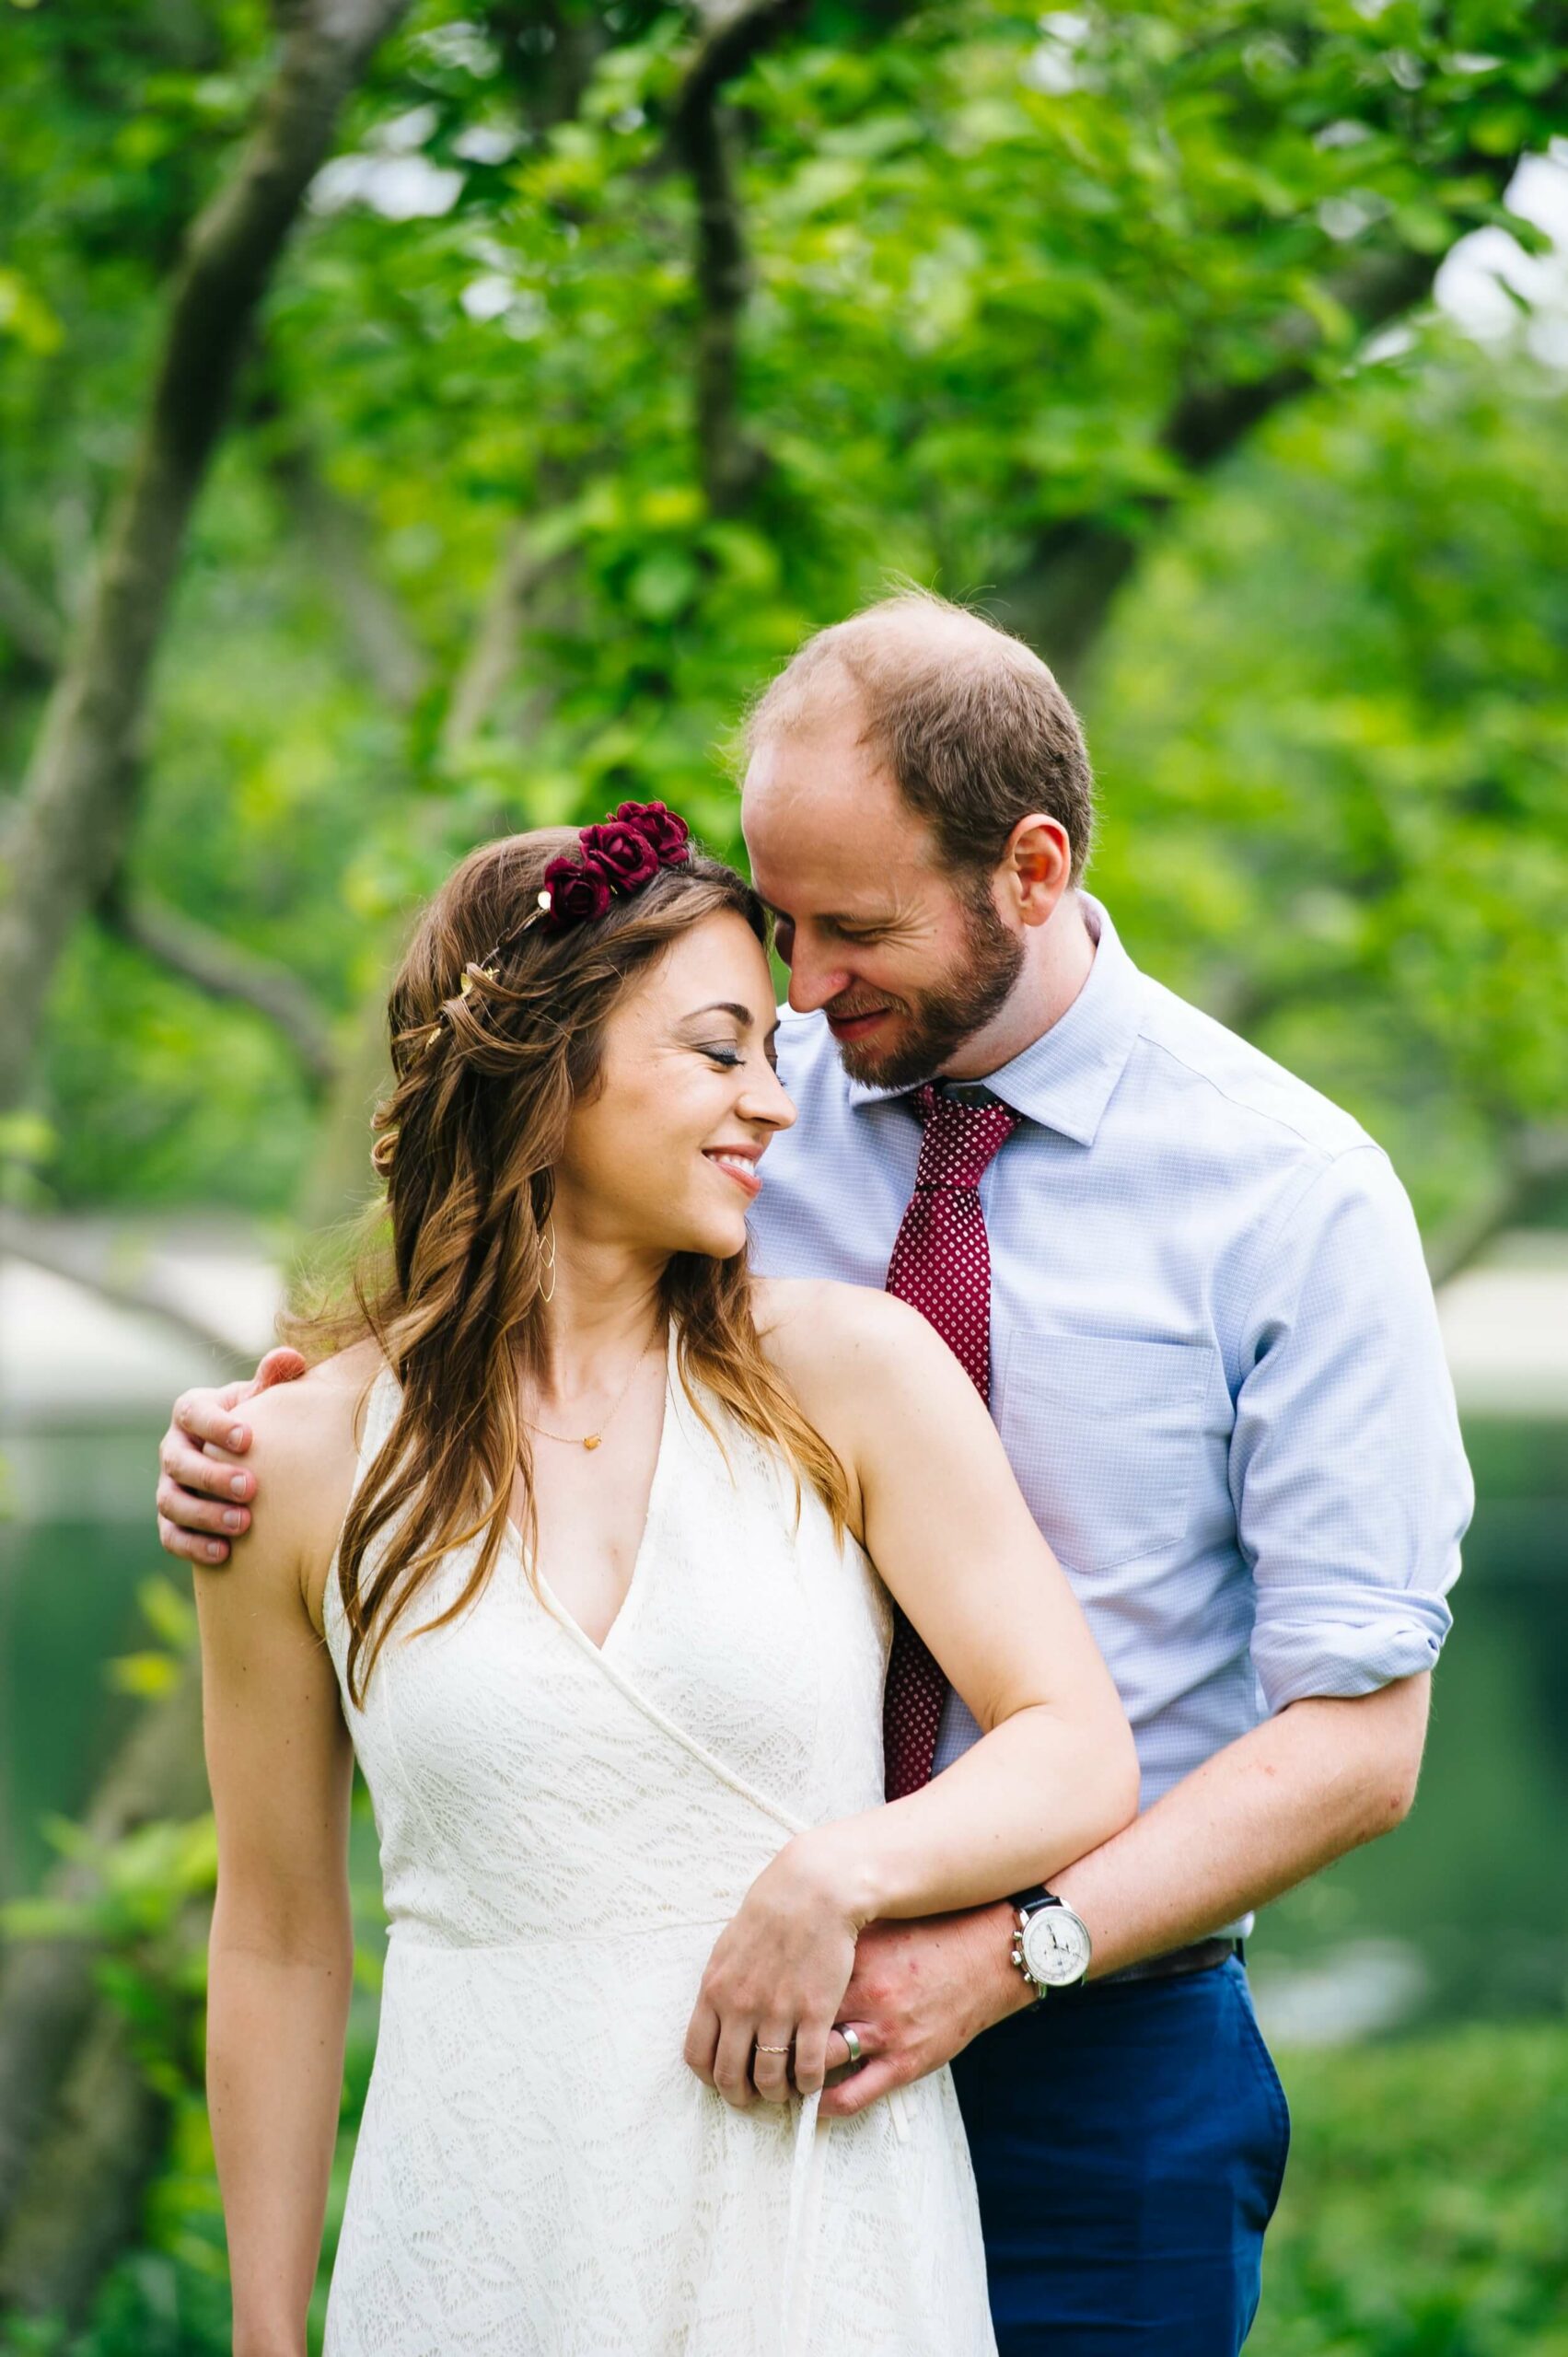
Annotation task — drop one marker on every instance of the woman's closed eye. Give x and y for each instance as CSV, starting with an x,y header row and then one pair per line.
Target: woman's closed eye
x,y
730,1059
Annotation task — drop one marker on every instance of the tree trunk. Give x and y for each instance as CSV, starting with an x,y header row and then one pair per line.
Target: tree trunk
x,y
70,2180
69,830
84,2192
49,1998
199,955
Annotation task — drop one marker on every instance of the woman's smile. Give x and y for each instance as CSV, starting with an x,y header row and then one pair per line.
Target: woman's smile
x,y
740,1163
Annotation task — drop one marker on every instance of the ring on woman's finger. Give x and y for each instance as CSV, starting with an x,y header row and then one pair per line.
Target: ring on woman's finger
x,y
771,2049
851,2039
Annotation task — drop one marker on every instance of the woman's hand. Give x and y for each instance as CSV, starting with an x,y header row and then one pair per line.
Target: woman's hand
x,y
771,1992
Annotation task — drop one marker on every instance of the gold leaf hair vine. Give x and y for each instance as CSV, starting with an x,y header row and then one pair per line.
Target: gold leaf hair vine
x,y
614,859
488,965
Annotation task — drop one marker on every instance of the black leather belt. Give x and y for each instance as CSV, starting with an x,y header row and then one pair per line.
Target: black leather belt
x,y
1201,1956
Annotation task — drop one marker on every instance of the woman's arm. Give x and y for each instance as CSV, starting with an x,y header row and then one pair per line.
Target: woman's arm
x,y
1054,1773
280,1954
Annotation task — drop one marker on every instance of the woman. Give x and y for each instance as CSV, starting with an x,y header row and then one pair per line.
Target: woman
x,y
587,1522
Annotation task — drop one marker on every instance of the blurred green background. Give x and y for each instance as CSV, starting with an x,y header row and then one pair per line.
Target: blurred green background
x,y
1221,351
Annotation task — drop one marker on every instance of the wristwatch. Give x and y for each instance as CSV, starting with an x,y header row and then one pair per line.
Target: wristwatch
x,y
1052,1945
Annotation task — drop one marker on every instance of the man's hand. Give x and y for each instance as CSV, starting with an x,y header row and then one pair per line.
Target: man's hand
x,y
1270,1809
918,1995
200,1496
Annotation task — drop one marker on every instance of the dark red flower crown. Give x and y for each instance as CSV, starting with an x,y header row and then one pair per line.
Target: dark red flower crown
x,y
617,856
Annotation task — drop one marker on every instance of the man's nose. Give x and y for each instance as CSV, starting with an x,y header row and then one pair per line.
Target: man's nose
x,y
813,983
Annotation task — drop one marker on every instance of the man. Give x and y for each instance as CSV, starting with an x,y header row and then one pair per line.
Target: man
x,y
1194,1293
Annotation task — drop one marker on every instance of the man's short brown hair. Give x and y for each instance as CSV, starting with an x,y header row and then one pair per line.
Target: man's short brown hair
x,y
969,721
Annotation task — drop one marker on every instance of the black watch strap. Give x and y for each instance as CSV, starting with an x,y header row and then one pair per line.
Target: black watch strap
x,y
1029,1902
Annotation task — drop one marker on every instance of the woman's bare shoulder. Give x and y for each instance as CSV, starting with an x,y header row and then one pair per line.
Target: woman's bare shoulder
x,y
800,1307
304,1448
308,1424
828,1338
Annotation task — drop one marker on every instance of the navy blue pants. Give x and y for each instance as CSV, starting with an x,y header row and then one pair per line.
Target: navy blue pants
x,y
1129,2144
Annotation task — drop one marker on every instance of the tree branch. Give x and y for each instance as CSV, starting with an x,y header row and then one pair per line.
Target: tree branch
x,y
42,1247
89,2170
72,816
334,532
1061,600
201,956
549,50
521,571
1535,1169
30,624
731,463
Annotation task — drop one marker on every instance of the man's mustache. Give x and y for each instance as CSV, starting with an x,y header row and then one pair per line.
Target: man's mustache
x,y
844,1010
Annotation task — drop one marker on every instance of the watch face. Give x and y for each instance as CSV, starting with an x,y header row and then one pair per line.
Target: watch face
x,y
1056,1947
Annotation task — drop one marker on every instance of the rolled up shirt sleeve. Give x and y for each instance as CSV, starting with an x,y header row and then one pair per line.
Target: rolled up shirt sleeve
x,y
1348,1473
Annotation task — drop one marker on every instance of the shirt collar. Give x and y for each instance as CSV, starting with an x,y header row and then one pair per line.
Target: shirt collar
x,y
1065,1078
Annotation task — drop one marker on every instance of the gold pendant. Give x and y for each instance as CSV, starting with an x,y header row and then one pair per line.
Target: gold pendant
x,y
593,1440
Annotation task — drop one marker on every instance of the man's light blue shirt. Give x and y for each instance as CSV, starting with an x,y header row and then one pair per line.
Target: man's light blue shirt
x,y
1215,1361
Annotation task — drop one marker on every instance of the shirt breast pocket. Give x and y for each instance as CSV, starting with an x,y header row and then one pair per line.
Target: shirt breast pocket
x,y
1106,1438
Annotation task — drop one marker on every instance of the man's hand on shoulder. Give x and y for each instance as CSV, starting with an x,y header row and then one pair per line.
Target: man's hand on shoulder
x,y
203,1500
303,1451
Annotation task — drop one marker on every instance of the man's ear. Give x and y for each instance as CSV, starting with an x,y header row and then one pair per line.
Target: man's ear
x,y
1037,866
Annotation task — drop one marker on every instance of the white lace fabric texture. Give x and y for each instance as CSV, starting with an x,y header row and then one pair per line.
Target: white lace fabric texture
x,y
565,1831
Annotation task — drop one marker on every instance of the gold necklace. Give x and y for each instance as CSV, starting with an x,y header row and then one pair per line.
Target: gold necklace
x,y
592,1440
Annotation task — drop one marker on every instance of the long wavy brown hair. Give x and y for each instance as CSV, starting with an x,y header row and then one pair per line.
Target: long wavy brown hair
x,y
486,1072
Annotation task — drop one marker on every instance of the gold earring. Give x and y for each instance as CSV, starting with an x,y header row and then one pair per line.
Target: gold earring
x,y
547,1263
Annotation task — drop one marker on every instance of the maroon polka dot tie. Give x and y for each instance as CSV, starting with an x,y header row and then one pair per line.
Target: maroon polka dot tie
x,y
941,1266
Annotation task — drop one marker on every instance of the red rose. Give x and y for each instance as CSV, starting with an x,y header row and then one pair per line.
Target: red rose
x,y
579,891
622,851
664,829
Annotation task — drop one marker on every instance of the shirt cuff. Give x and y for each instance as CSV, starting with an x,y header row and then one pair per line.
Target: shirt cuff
x,y
1341,1638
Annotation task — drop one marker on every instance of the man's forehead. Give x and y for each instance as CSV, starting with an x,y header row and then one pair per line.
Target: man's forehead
x,y
850,890
828,830
862,870
799,792
802,801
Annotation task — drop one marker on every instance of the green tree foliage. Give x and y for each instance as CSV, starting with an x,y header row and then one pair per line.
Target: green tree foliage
x,y
1331,724
1424,2213
616,352
1425,2210
1016,288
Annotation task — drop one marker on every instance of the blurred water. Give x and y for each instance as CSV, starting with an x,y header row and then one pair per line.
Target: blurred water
x,y
1463,1912
1349,1994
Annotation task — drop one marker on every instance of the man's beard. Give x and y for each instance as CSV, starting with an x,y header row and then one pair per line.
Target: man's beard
x,y
934,1024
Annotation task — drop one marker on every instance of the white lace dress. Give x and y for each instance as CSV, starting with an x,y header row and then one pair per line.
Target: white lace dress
x,y
565,1831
